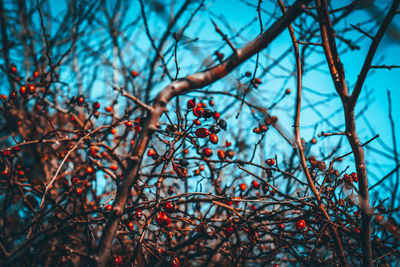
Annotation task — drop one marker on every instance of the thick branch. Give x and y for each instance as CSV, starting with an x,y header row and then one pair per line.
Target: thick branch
x,y
181,86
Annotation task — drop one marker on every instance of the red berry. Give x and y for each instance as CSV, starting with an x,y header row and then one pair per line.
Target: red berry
x,y
81,100
79,191
248,74
255,184
109,109
202,132
228,144
288,91
96,105
89,170
168,206
270,162
301,225
198,111
31,88
216,115
175,262
207,152
14,69
243,187
22,90
191,103
313,141
263,128
257,80
163,219
134,73
281,226
197,122
128,124
354,176
229,230
108,207
36,74
151,152
118,260
213,138
130,226
221,154
256,130
13,95
379,218
347,178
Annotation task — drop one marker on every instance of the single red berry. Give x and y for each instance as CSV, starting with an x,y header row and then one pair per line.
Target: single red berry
x,y
229,230
202,132
14,69
81,100
228,144
108,207
207,152
151,152
89,170
379,218
301,225
130,226
175,262
109,109
185,151
22,90
255,184
213,138
313,141
211,102
198,111
197,122
96,105
134,73
168,206
354,176
36,74
243,187
216,115
270,162
247,74
274,119
31,88
257,80
263,128
118,260
221,154
288,91
191,103
281,226
128,124
79,191
256,130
